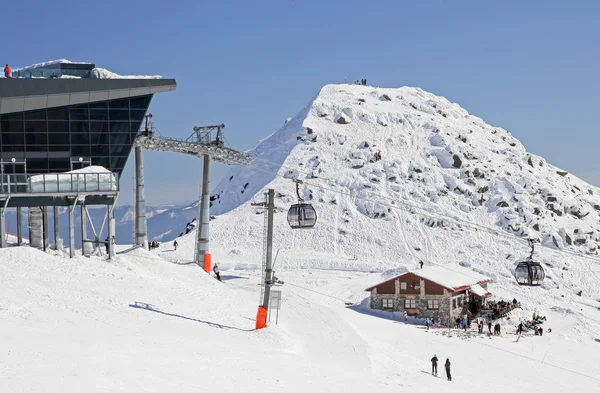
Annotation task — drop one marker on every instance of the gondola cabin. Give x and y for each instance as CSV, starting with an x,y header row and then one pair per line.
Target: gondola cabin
x,y
529,273
302,215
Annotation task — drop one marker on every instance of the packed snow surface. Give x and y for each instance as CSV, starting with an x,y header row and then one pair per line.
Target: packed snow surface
x,y
140,323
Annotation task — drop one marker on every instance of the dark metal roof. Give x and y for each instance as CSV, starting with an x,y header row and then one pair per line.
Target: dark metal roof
x,y
24,87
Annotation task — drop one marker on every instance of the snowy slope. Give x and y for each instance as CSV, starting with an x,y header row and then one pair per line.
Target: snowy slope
x,y
140,323
414,204
436,158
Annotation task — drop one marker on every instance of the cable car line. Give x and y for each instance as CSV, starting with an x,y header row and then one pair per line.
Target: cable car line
x,y
427,213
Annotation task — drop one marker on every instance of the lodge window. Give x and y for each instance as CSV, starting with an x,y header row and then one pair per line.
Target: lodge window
x,y
402,285
388,303
433,304
453,303
410,303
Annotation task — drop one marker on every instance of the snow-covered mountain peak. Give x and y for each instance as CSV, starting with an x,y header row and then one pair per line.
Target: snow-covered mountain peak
x,y
436,160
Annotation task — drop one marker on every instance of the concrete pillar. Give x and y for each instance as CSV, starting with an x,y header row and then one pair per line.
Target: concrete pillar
x,y
203,233
141,225
2,228
56,235
36,227
83,229
19,226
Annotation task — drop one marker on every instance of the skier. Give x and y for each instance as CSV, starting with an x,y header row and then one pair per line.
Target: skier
x,y
7,71
175,245
480,326
217,271
447,365
490,326
434,361
405,317
107,245
421,263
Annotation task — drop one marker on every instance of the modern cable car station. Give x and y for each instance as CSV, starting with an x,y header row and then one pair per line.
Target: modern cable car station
x,y
52,129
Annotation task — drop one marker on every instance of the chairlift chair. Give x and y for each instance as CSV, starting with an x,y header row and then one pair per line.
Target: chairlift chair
x,y
301,215
530,272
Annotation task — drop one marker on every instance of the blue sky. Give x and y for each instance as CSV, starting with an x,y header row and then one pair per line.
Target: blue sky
x,y
529,67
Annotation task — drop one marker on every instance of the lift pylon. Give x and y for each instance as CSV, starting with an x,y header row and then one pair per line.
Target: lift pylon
x,y
206,142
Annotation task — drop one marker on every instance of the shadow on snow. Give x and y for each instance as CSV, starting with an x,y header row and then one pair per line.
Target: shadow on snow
x,y
150,307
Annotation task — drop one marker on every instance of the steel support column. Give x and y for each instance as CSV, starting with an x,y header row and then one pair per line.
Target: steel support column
x,y
45,237
19,226
269,264
72,229
83,228
202,256
141,232
56,213
2,228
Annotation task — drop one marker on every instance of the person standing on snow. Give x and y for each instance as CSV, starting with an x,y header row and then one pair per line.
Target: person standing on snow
x,y
175,245
447,365
490,326
217,271
405,317
434,361
7,71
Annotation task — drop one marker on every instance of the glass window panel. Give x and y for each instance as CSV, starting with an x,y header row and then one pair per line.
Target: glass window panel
x,y
99,105
12,117
78,126
10,148
37,165
119,114
119,104
35,115
120,139
80,150
119,127
61,127
140,102
138,114
99,127
101,161
80,139
79,112
135,127
37,138
99,114
98,139
99,150
58,114
117,163
12,126
35,126
119,150
60,164
63,148
58,139
9,138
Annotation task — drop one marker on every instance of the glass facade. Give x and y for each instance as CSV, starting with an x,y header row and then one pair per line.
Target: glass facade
x,y
50,140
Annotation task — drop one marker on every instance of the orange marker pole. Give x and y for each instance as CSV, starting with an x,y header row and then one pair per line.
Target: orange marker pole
x,y
207,263
261,317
